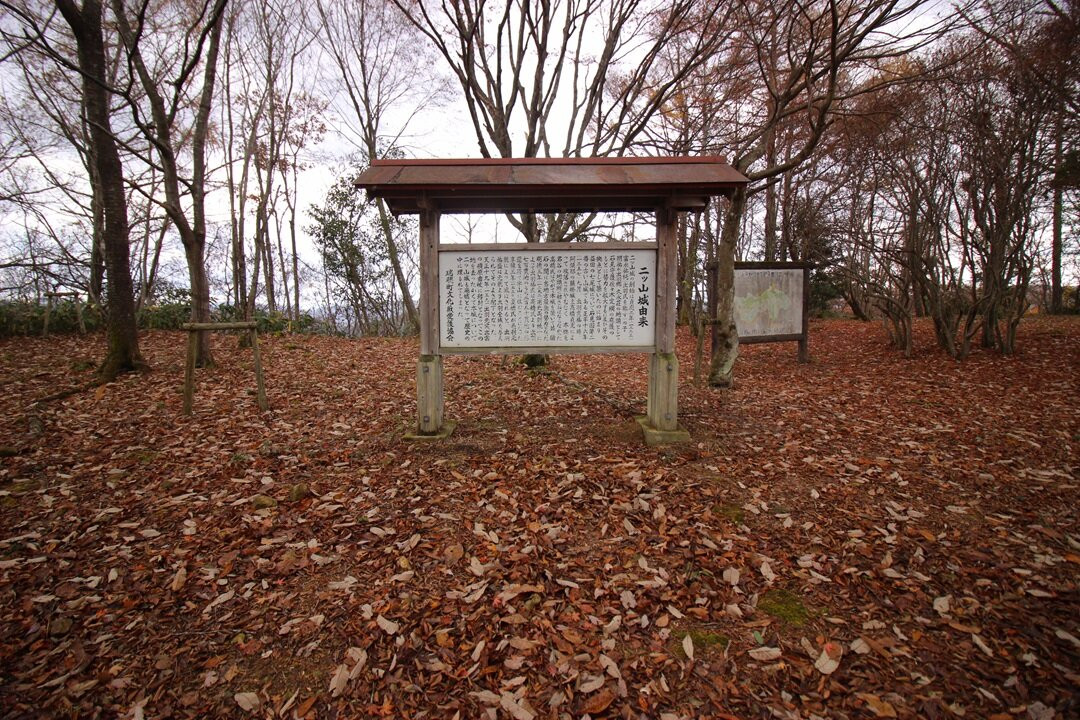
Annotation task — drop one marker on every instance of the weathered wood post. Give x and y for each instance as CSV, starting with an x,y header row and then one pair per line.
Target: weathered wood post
x,y
804,341
260,385
48,311
429,368
662,407
189,371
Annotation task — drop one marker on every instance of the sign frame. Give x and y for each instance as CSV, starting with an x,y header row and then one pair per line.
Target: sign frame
x,y
803,338
547,349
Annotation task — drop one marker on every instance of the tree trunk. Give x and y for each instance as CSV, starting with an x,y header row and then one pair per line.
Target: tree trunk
x,y
295,267
195,251
725,349
1056,244
97,241
123,353
395,264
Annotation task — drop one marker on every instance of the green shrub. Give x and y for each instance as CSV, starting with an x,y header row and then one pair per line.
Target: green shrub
x,y
22,317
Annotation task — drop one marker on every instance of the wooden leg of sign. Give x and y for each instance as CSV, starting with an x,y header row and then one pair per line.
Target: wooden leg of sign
x,y
78,314
189,372
661,424
260,385
429,400
804,350
664,391
45,322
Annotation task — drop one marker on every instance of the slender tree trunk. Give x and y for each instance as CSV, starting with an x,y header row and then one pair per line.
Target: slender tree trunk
x,y
395,264
295,268
725,348
123,353
1056,243
97,241
268,267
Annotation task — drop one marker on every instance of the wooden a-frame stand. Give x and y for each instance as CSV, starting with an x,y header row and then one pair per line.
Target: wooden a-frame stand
x,y
193,330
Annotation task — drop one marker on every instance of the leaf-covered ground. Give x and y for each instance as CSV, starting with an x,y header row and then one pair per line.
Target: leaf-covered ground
x,y
864,536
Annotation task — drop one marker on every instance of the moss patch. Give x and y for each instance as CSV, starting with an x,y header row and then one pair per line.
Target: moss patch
x,y
704,640
785,606
734,513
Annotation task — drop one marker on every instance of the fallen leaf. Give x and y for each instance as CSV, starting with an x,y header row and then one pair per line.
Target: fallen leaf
x,y
179,579
599,702
248,701
765,654
879,707
688,646
339,680
829,659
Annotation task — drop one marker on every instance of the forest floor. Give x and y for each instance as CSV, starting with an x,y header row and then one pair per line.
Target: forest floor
x,y
863,536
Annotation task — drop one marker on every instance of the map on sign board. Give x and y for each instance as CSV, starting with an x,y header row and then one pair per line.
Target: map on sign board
x,y
768,302
547,298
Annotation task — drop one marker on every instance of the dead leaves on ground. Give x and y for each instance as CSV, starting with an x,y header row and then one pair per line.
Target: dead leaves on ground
x,y
861,537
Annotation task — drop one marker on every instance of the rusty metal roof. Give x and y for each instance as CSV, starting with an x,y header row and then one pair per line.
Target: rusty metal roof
x,y
478,185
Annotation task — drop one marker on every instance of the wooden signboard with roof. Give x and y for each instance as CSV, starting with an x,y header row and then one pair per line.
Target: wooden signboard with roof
x,y
549,297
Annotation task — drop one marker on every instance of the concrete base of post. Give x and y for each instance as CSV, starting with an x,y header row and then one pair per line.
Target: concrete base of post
x,y
654,437
444,432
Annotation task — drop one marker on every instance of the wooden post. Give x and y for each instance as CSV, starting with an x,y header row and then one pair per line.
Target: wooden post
x,y
429,369
429,282
804,341
260,386
48,311
189,371
78,314
429,395
666,269
661,422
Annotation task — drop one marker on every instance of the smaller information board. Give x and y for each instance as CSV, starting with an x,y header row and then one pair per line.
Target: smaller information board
x,y
547,296
769,302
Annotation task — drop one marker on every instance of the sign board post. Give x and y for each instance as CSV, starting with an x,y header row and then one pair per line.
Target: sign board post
x,y
661,421
429,368
549,298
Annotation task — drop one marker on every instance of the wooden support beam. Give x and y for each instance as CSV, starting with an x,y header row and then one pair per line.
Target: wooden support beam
x,y
663,405
429,282
193,330
250,325
429,395
189,372
260,386
666,269
661,422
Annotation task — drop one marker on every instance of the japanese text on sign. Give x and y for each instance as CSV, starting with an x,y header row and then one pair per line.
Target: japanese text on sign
x,y
553,298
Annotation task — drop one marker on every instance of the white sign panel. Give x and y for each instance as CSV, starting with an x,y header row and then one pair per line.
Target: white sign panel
x,y
547,298
768,302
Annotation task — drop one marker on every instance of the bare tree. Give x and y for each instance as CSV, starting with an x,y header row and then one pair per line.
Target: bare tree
x,y
87,28
376,69
573,79
804,61
174,116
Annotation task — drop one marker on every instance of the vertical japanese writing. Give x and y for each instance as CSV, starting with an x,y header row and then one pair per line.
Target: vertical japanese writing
x,y
547,298
643,297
